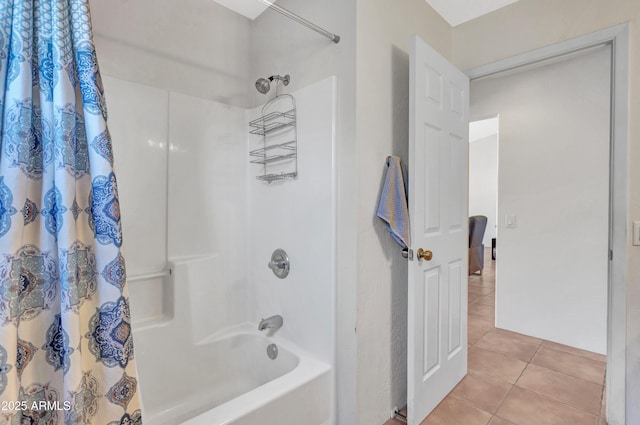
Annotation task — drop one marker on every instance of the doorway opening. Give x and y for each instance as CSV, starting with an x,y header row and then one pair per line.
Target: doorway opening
x,y
483,189
618,37
615,294
552,195
548,195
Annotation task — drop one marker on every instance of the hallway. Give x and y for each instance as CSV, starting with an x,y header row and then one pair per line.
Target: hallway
x,y
515,379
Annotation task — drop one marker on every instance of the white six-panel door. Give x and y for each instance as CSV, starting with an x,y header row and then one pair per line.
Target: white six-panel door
x,y
438,186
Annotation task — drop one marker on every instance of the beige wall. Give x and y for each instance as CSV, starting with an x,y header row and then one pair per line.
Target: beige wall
x,y
384,29
531,24
560,200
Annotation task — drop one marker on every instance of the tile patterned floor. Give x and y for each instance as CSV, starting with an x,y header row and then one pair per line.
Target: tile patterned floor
x,y
515,379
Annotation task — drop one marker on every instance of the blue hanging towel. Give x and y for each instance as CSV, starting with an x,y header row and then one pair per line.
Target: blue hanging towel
x,y
393,207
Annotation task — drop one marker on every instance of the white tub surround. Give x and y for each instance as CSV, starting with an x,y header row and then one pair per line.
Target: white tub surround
x,y
201,357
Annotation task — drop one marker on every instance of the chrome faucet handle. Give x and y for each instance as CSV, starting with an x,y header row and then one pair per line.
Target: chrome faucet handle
x,y
279,263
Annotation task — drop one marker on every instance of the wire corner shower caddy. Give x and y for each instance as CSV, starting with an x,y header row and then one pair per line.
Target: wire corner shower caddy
x,y
277,125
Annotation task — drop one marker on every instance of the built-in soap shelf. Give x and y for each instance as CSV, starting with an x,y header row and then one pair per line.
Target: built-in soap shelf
x,y
278,127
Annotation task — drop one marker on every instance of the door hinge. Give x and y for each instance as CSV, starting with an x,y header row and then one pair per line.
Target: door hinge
x,y
610,255
408,254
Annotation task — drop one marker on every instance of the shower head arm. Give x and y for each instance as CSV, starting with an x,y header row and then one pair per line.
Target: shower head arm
x,y
285,80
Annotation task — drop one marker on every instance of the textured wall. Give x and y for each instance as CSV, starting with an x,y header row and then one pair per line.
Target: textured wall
x,y
384,30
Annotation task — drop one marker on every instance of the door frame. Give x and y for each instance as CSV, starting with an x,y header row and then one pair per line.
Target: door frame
x,y
618,38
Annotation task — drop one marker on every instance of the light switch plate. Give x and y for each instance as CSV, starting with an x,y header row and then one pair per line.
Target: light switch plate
x,y
636,233
510,221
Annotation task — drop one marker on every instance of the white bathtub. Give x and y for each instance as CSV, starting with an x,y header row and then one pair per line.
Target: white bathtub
x,y
231,380
196,367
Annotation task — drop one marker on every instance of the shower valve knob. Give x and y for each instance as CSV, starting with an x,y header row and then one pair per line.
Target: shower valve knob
x,y
279,263
275,265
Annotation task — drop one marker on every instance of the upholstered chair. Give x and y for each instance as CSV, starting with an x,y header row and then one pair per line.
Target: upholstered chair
x,y
477,226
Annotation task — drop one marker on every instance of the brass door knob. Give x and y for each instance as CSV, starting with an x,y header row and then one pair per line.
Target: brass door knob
x,y
424,255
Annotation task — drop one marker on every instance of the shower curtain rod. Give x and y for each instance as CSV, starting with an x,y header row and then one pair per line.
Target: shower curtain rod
x,y
333,37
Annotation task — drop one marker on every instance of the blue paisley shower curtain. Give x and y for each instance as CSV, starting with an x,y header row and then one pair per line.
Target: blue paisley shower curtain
x,y
66,352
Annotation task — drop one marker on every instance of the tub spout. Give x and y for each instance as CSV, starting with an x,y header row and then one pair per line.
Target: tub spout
x,y
273,322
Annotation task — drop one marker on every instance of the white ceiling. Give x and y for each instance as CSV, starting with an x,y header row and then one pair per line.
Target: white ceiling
x,y
249,8
478,130
457,12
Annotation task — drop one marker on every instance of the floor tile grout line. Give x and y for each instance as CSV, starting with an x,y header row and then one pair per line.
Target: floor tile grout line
x,y
557,401
469,403
515,384
500,353
572,353
536,353
478,340
503,353
562,372
505,398
568,375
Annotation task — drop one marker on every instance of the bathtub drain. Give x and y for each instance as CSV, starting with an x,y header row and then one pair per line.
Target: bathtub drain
x,y
272,351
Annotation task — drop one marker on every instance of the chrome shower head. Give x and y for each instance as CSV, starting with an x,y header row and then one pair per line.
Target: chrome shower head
x,y
263,85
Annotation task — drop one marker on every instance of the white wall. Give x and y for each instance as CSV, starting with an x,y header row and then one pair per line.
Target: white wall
x,y
183,206
181,165
222,222
384,29
137,124
207,209
195,47
483,182
298,216
554,178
